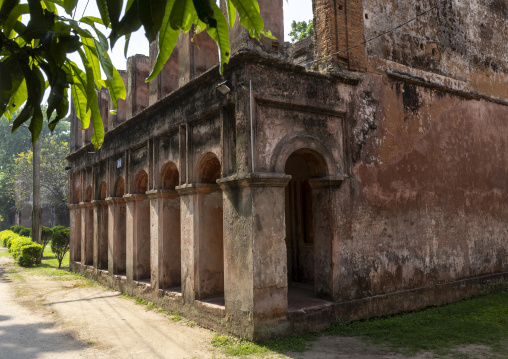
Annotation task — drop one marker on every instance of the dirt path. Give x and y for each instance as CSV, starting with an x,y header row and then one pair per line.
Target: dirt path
x,y
44,318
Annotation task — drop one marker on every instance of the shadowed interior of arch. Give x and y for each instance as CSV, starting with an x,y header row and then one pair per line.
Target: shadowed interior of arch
x,y
302,165
210,274
170,227
88,213
118,242
141,214
102,224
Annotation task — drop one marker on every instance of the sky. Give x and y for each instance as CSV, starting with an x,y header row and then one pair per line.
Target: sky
x,y
299,10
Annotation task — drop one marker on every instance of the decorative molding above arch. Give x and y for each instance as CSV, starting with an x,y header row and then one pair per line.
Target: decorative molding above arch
x,y
300,141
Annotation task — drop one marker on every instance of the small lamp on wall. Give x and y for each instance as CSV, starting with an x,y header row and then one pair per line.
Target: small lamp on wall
x,y
224,87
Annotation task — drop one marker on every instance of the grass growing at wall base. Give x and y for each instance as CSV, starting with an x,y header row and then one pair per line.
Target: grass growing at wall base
x,y
440,330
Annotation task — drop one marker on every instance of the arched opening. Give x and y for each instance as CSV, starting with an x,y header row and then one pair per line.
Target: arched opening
x,y
141,270
103,191
77,227
102,228
210,275
171,239
89,227
119,247
120,187
302,165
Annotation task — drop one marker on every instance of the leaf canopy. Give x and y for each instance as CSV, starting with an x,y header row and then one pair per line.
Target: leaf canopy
x,y
34,57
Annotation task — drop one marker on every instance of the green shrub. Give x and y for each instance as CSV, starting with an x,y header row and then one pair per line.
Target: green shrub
x,y
57,228
60,244
16,245
16,229
25,232
29,254
6,237
46,235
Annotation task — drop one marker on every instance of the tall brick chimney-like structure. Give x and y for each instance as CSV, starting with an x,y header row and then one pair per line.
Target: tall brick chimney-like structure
x,y
338,25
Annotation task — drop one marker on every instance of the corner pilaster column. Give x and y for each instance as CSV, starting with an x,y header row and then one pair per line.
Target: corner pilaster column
x,y
188,207
74,237
165,256
137,237
325,235
255,258
116,235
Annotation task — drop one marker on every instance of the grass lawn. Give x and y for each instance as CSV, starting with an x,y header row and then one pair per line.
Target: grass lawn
x,y
440,330
48,267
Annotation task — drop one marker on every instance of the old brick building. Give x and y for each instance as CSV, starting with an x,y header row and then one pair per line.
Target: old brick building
x,y
368,182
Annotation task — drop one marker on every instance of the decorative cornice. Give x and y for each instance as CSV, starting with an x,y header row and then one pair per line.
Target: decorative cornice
x,y
257,179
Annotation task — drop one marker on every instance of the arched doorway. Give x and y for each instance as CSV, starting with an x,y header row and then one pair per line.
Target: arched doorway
x,y
89,228
171,238
210,274
303,165
102,228
77,226
118,212
141,252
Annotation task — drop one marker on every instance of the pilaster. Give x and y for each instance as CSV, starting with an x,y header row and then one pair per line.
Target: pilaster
x,y
255,252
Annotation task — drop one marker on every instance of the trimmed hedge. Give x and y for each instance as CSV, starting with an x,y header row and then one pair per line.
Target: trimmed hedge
x,y
16,229
6,237
29,254
16,245
25,232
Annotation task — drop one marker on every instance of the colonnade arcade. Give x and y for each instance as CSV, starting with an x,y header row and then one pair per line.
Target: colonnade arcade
x,y
254,238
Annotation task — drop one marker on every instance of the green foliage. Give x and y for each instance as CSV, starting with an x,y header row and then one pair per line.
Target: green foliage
x,y
17,243
26,232
300,30
39,50
46,235
54,186
29,254
6,237
60,244
16,229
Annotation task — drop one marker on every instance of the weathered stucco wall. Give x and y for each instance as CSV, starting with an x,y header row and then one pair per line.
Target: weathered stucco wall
x,y
464,40
428,189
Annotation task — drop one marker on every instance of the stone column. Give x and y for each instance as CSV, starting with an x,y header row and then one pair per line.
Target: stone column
x,y
187,195
137,237
73,209
116,235
325,235
82,211
255,255
165,256
100,239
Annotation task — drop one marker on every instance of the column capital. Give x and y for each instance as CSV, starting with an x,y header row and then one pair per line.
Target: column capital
x,y
328,181
192,188
134,197
84,204
72,206
257,179
162,193
115,200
